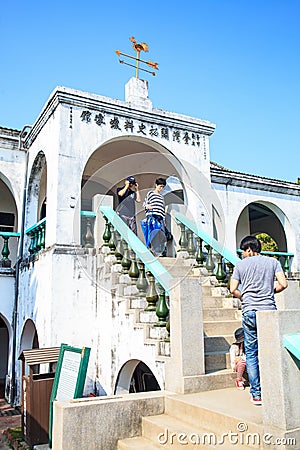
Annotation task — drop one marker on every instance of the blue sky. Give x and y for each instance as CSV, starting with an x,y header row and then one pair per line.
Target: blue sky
x,y
233,62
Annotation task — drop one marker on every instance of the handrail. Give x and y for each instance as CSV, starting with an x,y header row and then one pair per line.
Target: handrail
x,y
227,254
33,227
271,253
151,263
292,343
87,213
9,234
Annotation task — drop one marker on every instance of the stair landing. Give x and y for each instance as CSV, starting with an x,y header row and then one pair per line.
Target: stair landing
x,y
218,412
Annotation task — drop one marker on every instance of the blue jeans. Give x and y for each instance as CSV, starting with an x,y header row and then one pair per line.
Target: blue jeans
x,y
251,350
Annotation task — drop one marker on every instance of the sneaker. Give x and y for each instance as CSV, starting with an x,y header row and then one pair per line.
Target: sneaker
x,y
239,384
256,401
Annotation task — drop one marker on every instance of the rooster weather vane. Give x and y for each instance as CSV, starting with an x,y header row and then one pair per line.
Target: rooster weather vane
x,y
138,48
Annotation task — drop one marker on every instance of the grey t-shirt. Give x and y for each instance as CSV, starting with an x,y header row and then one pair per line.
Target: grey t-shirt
x,y
256,275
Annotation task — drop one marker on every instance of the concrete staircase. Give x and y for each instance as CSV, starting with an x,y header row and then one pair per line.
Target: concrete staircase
x,y
221,318
216,419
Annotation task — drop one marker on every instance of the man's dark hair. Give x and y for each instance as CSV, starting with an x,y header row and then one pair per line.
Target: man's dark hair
x,y
252,242
160,181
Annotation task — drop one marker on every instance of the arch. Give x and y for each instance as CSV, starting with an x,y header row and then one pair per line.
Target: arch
x,y
265,217
112,162
37,190
8,207
8,183
29,336
135,376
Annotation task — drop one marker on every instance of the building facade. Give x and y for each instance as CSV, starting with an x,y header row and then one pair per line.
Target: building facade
x,y
58,283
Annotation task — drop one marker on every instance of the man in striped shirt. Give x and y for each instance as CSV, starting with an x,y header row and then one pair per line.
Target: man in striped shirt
x,y
154,225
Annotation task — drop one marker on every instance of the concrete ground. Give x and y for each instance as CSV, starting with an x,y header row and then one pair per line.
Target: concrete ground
x,y
9,418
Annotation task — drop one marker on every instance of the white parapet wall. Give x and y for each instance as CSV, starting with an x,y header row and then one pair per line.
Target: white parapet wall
x,y
279,371
98,423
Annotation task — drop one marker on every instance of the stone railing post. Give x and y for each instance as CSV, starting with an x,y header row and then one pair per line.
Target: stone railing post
x,y
279,373
186,363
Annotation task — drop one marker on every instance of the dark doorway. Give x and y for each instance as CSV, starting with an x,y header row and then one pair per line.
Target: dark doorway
x,y
3,355
143,380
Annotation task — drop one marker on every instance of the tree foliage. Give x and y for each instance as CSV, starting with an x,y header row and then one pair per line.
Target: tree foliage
x,y
267,243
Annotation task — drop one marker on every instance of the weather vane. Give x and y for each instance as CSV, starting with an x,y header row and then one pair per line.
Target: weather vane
x,y
138,47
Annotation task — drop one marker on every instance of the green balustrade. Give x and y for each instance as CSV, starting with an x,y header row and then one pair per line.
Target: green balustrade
x,y
220,273
107,233
151,294
230,272
183,242
5,252
162,309
126,261
112,241
191,249
133,269
119,248
36,233
210,265
200,258
284,258
141,282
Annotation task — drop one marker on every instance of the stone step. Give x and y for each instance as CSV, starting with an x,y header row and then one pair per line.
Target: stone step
x,y
216,379
169,432
217,360
137,443
209,420
218,343
217,411
222,314
220,327
217,302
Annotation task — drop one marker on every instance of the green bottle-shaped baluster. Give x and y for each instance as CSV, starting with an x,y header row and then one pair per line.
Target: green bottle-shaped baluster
x,y
220,274
126,262
162,309
107,233
199,255
141,282
151,294
210,265
133,270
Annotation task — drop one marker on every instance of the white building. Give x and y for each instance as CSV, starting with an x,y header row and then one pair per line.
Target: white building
x,y
61,286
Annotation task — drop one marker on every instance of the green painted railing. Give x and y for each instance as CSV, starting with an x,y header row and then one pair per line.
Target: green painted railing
x,y
87,234
161,275
285,256
209,240
292,343
5,252
37,236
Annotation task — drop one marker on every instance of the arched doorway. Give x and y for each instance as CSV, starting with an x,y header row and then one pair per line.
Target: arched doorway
x,y
4,350
37,190
263,217
109,165
29,339
135,376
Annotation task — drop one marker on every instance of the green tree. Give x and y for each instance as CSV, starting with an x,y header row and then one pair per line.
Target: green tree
x,y
267,243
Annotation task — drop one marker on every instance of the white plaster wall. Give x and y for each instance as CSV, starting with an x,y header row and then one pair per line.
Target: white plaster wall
x,y
12,172
7,289
120,338
286,207
68,142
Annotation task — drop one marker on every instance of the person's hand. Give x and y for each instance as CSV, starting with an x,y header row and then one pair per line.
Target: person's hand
x,y
136,186
127,184
150,207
